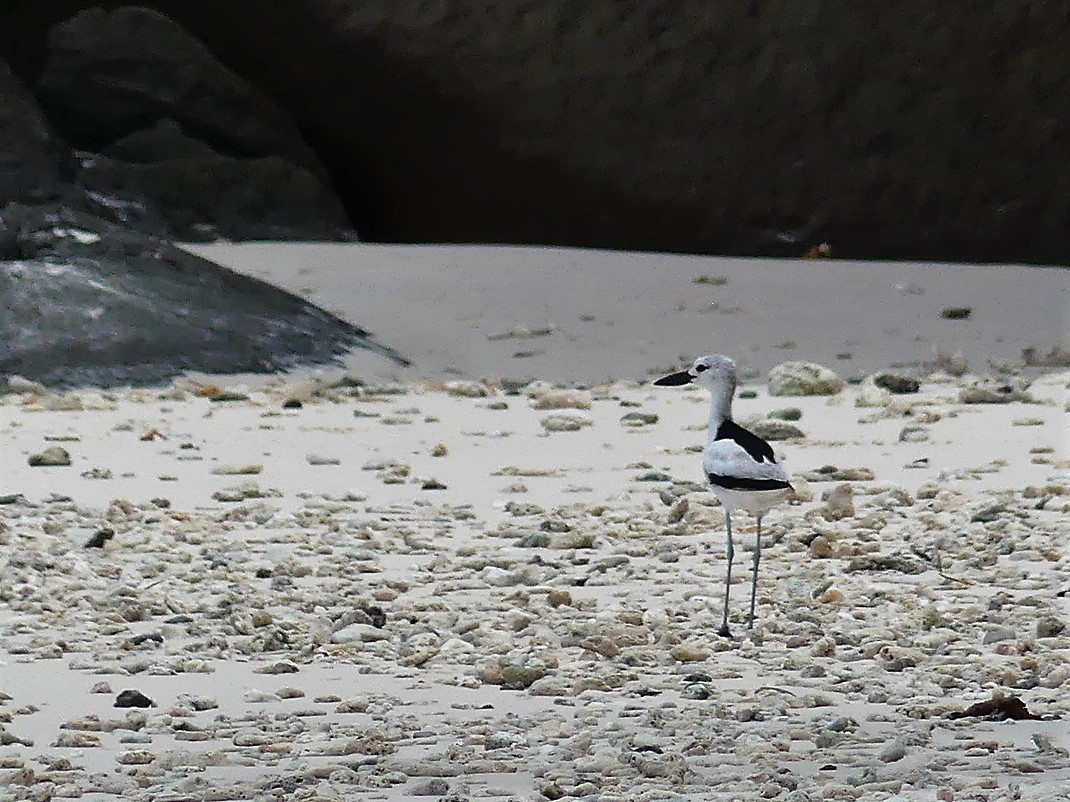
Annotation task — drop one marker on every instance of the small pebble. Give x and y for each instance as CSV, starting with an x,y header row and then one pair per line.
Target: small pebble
x,y
564,422
133,698
786,413
639,419
913,434
821,548
897,383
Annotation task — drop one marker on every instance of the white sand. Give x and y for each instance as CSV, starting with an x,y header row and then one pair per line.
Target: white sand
x,y
547,556
439,306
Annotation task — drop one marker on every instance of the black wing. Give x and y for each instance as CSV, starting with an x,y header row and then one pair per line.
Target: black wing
x,y
744,483
759,450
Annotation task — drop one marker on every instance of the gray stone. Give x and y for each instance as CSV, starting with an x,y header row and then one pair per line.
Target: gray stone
x,y
51,457
913,434
127,308
18,384
358,633
999,635
897,383
803,378
1049,626
786,413
900,563
776,430
993,391
892,751
468,389
639,419
564,422
433,786
831,473
522,676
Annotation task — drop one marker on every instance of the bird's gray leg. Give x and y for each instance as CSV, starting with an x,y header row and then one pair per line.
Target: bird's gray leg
x,y
754,579
724,631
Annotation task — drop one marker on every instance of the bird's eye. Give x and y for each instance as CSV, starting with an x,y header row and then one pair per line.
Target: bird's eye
x,y
701,368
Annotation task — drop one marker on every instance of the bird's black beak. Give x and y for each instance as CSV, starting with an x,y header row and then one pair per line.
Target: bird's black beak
x,y
675,379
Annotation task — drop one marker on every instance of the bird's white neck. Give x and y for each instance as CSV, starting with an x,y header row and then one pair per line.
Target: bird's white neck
x,y
720,406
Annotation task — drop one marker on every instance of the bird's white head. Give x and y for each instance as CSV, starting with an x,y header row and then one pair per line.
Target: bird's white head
x,y
713,371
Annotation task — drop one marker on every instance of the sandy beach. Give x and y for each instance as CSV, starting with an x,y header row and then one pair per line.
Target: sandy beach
x,y
569,315
496,574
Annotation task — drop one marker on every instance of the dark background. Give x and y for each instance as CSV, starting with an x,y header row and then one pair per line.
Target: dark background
x,y
910,129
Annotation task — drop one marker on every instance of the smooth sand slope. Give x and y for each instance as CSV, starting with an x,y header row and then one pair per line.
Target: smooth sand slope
x,y
458,590
623,315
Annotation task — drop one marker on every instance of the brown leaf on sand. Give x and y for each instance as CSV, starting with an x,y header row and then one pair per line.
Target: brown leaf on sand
x,y
1011,707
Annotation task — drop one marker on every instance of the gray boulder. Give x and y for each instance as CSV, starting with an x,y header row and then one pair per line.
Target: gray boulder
x,y
89,302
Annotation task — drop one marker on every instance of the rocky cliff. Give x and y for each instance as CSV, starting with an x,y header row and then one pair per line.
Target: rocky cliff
x,y
888,130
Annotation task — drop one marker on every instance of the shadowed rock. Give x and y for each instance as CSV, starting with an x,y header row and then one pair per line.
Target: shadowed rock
x,y
88,302
887,130
35,164
212,197
112,72
172,142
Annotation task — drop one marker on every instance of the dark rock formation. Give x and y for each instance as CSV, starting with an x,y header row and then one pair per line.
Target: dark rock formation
x,y
111,73
86,301
910,129
209,197
194,151
170,142
163,141
35,164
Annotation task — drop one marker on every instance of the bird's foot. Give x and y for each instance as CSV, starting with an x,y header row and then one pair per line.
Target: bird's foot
x,y
724,631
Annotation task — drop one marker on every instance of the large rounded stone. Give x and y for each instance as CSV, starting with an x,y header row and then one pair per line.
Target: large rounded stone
x,y
804,378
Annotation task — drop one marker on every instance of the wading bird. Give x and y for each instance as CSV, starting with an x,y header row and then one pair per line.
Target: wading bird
x,y
740,466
